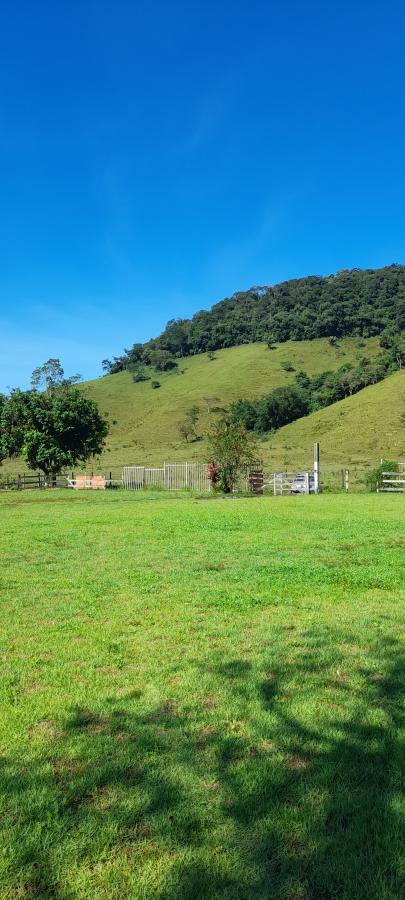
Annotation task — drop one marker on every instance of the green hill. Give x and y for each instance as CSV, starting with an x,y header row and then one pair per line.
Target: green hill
x,y
144,422
354,433
352,302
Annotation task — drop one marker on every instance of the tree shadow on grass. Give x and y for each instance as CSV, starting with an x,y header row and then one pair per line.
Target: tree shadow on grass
x,y
272,807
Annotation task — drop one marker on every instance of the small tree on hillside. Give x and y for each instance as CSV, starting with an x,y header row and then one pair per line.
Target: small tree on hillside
x,y
186,430
187,427
231,447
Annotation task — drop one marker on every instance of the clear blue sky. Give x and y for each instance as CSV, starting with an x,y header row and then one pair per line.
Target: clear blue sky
x,y
157,156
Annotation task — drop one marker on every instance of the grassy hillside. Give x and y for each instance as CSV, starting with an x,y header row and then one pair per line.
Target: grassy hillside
x,y
144,422
355,432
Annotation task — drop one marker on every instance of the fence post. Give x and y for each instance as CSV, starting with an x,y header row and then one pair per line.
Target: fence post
x,y
316,468
307,482
347,481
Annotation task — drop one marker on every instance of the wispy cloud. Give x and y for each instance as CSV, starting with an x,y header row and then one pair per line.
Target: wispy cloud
x,y
211,111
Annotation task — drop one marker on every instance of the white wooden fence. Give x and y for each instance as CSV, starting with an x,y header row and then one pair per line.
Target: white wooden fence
x,y
393,482
171,476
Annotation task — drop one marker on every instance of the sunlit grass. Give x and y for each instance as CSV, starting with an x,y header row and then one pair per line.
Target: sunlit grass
x,y
201,698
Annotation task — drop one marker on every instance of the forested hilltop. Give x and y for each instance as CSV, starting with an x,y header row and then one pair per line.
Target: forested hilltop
x,y
354,302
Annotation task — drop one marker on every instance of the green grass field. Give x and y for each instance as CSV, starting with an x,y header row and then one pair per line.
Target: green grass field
x,y
201,698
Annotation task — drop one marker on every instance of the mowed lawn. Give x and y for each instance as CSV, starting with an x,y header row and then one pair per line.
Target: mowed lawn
x,y
201,698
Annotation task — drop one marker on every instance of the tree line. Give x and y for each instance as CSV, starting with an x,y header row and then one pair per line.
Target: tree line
x,y
355,302
305,395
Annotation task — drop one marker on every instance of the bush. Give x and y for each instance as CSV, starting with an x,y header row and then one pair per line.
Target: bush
x,y
374,479
140,377
166,365
155,384
287,366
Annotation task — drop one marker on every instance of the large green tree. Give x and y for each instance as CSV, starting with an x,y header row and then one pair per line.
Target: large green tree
x,y
51,430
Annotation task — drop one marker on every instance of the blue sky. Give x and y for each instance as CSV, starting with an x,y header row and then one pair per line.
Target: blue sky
x,y
155,157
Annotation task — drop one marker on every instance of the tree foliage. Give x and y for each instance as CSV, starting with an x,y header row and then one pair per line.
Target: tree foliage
x,y
374,479
51,430
51,375
231,447
305,394
187,426
353,302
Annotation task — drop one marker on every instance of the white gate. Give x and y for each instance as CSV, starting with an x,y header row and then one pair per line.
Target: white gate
x,y
291,483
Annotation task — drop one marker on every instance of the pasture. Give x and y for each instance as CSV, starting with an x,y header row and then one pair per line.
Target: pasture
x,y
201,698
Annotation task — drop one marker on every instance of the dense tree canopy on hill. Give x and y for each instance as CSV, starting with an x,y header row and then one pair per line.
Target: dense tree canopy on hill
x,y
355,302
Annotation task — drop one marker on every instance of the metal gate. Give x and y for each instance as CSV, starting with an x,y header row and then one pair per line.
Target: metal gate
x,y
291,483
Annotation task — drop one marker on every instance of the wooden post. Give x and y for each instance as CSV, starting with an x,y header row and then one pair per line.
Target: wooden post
x,y
307,482
347,481
317,483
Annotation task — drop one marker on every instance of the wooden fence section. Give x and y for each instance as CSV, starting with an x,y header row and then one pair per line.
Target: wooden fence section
x,y
32,482
393,482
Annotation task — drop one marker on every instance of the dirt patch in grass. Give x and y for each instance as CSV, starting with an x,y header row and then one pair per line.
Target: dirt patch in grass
x,y
297,763
45,728
166,710
33,687
353,649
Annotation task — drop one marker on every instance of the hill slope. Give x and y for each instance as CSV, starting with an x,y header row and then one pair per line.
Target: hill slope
x,y
355,432
146,420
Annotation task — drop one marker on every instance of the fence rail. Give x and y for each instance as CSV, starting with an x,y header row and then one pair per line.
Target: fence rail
x,y
171,477
38,481
194,476
393,482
